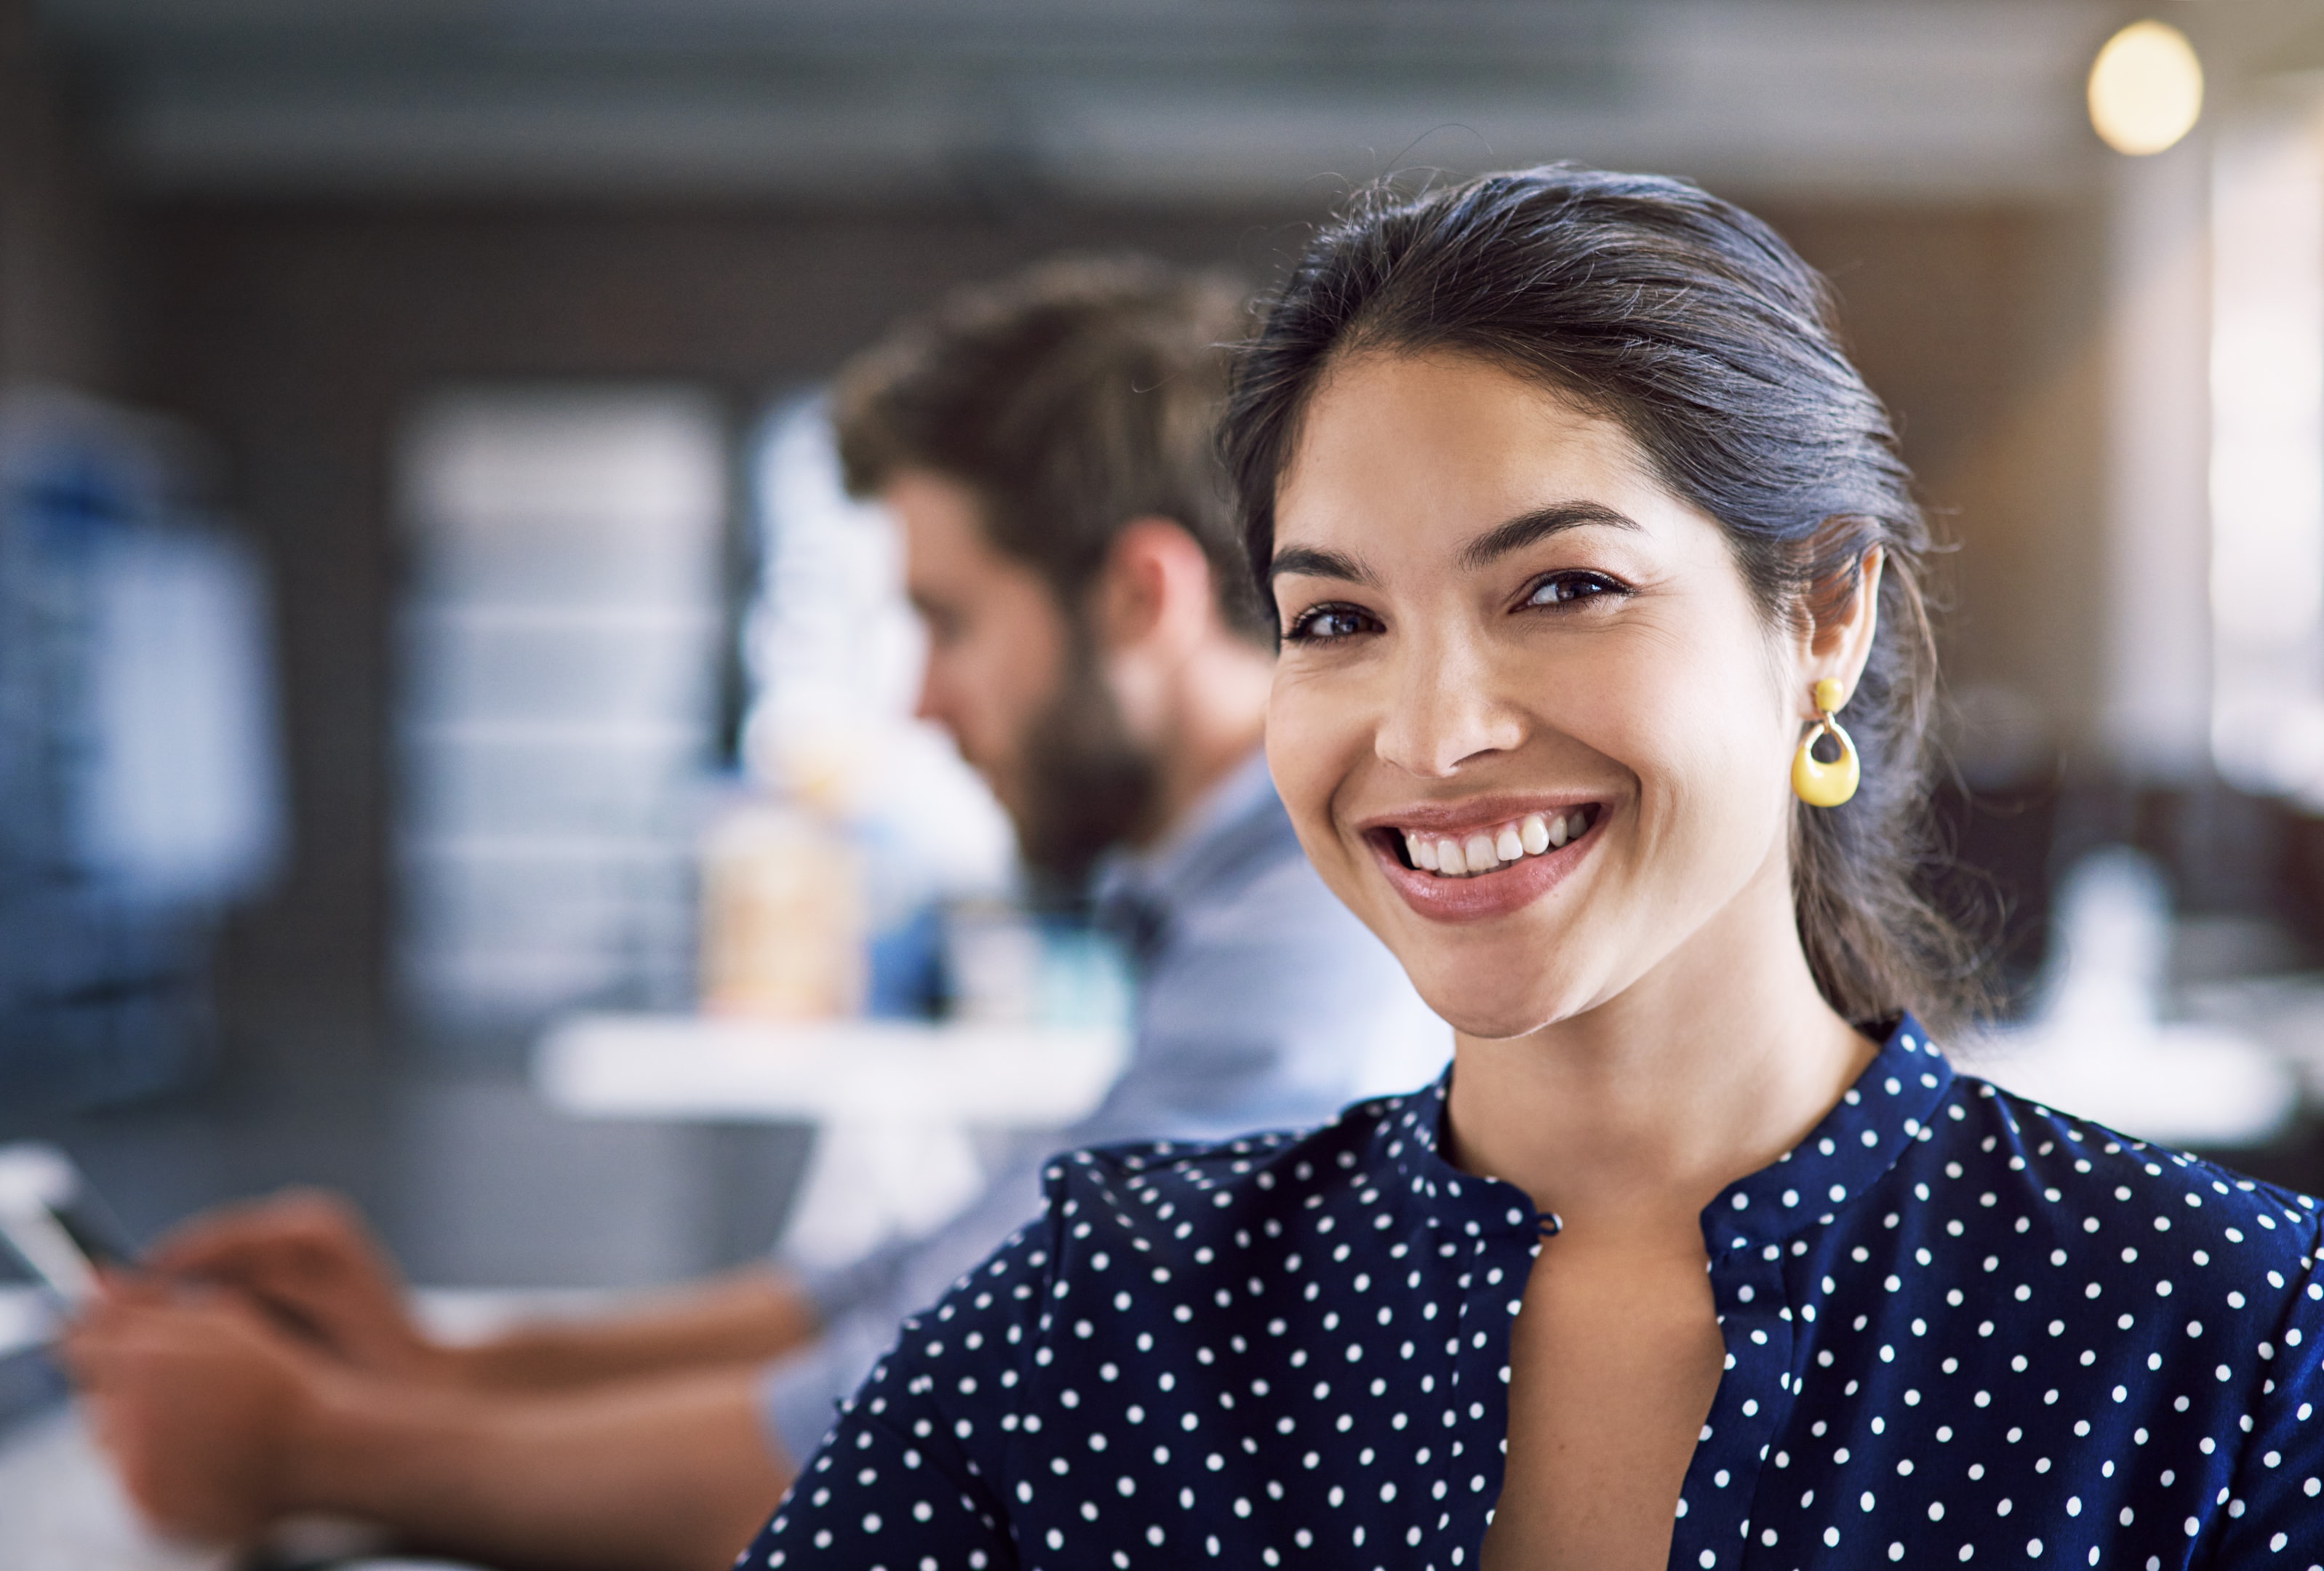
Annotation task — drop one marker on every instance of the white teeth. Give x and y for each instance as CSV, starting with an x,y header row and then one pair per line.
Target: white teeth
x,y
1488,849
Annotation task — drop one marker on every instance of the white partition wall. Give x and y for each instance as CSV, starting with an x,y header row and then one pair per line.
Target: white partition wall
x,y
2267,446
2154,697
557,696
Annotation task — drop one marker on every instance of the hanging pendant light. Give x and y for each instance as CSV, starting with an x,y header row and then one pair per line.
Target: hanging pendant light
x,y
2147,88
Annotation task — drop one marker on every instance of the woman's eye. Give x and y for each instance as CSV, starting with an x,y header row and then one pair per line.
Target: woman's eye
x,y
1559,588
1327,622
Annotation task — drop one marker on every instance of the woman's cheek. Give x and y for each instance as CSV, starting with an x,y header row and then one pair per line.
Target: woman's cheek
x,y
1305,753
1723,791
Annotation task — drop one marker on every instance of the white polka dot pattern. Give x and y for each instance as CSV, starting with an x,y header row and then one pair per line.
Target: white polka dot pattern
x,y
1959,1327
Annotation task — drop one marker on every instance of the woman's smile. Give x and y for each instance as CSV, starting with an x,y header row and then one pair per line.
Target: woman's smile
x,y
1466,862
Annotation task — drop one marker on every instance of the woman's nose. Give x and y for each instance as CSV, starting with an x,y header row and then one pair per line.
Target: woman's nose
x,y
1444,707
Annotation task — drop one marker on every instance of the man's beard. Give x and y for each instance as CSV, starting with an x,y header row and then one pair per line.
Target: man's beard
x,y
1088,786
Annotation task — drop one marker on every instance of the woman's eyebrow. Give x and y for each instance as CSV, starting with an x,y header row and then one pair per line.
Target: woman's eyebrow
x,y
1310,562
1539,524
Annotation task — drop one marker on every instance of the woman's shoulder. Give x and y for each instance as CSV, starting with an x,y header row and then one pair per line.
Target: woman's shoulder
x,y
2000,1157
1172,1181
1161,1228
1165,1198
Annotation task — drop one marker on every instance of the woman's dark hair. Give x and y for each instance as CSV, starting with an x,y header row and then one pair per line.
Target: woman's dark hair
x,y
1689,324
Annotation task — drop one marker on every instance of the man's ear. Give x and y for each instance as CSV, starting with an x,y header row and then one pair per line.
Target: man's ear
x,y
1841,640
1155,588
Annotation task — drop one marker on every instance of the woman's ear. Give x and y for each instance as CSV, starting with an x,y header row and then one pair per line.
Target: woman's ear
x,y
1841,640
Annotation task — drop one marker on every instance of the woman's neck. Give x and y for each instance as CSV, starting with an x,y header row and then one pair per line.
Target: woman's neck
x,y
1642,1109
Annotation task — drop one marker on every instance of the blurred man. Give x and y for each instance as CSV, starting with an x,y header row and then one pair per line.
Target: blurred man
x,y
1098,652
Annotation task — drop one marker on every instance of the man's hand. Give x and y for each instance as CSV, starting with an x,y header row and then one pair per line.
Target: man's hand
x,y
197,1399
220,1423
307,1258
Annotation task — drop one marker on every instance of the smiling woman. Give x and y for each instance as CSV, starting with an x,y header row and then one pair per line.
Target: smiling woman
x,y
1578,525
1689,345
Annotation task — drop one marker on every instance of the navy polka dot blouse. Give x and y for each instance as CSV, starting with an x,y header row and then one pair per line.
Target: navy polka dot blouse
x,y
1959,1327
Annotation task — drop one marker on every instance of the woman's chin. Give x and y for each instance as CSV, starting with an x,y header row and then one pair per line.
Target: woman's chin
x,y
1493,1013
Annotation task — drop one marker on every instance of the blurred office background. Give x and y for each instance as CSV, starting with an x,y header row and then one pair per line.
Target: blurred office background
x,y
423,580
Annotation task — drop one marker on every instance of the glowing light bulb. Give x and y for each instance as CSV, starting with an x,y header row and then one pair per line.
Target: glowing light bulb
x,y
2147,88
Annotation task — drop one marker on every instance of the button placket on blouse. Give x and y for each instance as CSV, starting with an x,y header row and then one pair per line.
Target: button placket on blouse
x,y
1506,1246
1755,1392
1751,1232
1499,1233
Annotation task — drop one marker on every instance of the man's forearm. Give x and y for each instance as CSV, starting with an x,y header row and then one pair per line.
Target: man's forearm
x,y
671,1473
748,1317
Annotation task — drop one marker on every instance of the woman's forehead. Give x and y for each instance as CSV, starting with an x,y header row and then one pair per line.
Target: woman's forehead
x,y
1428,449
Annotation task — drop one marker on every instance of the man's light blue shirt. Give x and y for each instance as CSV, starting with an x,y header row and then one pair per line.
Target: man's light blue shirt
x,y
1261,1004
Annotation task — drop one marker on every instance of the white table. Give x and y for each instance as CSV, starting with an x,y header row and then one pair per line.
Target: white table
x,y
59,1508
2285,1013
62,1511
897,1103
2175,1083
678,1066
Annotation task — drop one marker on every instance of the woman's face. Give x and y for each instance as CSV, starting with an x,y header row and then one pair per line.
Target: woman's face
x,y
1508,648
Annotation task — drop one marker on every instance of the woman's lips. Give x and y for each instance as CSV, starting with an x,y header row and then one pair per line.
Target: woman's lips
x,y
1508,883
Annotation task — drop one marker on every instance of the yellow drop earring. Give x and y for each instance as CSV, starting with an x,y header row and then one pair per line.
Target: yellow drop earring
x,y
1813,781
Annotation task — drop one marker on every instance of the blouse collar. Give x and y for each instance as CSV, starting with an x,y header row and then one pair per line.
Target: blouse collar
x,y
1864,1136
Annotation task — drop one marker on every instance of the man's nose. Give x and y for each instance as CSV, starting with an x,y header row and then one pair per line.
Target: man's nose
x,y
927,704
